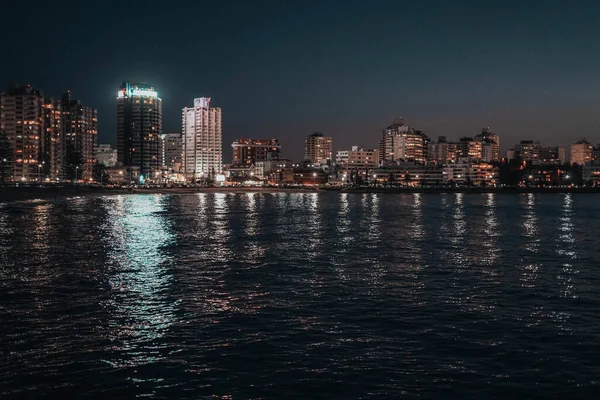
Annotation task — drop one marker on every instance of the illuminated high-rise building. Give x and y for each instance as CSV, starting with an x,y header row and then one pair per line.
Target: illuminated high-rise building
x,y
399,142
53,146
22,123
202,140
318,149
470,148
139,126
80,135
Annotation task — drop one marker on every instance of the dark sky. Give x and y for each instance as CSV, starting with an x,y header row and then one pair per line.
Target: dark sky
x,y
283,69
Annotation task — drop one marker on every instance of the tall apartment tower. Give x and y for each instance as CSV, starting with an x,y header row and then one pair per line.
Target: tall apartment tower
x,y
318,149
80,134
22,129
202,140
139,126
53,146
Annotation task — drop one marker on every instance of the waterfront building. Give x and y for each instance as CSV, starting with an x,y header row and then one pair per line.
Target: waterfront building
x,y
202,140
596,153
399,142
581,152
563,155
590,173
341,158
282,172
407,173
251,151
22,123
528,151
467,172
80,132
106,155
469,147
264,169
171,151
438,151
318,149
489,151
53,148
490,145
549,155
359,158
544,175
122,175
139,126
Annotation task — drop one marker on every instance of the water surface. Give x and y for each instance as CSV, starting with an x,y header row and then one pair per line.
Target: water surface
x,y
301,295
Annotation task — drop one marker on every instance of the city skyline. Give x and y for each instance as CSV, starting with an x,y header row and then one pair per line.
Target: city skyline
x,y
526,70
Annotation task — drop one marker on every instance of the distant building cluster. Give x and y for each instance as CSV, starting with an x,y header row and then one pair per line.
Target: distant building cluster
x,y
45,139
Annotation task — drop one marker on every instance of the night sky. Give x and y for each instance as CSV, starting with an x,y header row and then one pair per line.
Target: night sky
x,y
283,69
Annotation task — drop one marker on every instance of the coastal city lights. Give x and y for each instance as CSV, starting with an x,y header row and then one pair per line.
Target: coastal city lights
x,y
56,141
296,200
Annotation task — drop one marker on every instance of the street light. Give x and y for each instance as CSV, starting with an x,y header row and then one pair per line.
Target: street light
x,y
76,170
39,170
3,168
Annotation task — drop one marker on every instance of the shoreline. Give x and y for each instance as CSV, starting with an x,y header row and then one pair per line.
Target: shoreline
x,y
11,194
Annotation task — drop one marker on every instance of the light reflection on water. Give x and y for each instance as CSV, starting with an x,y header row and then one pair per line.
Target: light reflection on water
x,y
531,241
288,295
140,277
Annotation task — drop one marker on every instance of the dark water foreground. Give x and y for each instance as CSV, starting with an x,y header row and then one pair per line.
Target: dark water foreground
x,y
301,295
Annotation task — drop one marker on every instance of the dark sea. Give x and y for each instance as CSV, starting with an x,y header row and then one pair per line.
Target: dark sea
x,y
301,296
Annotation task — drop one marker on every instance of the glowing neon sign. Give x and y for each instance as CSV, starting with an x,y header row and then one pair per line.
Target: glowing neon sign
x,y
136,91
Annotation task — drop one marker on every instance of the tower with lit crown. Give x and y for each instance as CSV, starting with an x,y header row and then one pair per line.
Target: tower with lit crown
x,y
139,126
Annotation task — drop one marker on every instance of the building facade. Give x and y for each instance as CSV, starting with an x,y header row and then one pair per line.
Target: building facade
x,y
80,133
341,158
549,155
22,124
469,147
399,143
467,172
171,151
202,140
528,151
53,146
490,145
581,152
408,174
318,149
251,151
139,126
359,158
106,155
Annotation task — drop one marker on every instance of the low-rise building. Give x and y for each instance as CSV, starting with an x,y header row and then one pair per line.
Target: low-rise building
x,y
123,175
465,172
408,174
106,155
591,174
250,151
